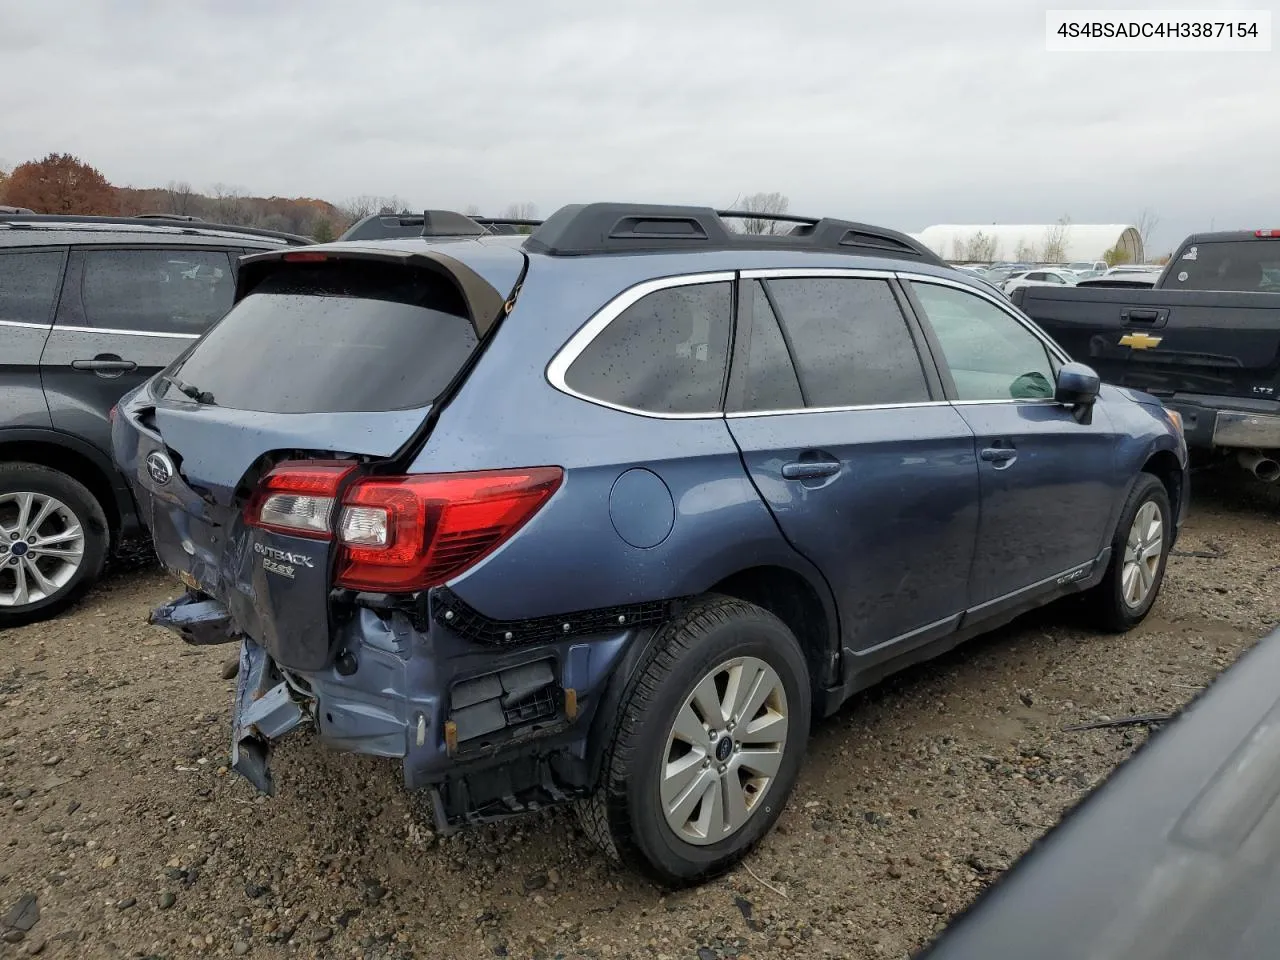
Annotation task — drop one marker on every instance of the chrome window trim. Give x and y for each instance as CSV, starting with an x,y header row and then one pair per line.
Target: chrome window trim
x,y
741,414
564,358
108,330
1007,308
559,366
802,273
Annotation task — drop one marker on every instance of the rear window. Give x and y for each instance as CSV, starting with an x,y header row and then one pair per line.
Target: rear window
x,y
335,338
1249,266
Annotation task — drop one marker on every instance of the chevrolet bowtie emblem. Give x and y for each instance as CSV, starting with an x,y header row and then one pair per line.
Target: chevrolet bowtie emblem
x,y
1140,341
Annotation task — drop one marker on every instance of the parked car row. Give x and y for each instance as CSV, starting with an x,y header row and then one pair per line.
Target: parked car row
x,y
455,511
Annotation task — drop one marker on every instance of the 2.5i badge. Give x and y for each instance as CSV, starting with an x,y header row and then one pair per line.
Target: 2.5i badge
x,y
283,563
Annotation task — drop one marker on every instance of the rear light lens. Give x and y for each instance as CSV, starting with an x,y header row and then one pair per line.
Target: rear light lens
x,y
402,534
297,498
304,257
1267,234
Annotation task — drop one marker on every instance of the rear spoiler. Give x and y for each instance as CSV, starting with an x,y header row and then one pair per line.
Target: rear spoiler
x,y
484,303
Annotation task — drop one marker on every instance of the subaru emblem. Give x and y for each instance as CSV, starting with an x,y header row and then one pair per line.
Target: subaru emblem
x,y
160,467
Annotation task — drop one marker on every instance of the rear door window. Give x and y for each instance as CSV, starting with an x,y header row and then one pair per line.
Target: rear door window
x,y
29,285
850,342
155,290
666,353
764,364
337,337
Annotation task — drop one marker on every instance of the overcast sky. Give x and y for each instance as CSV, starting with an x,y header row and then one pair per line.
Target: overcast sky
x,y
905,113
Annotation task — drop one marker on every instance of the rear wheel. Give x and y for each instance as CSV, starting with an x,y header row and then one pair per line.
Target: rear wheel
x,y
708,747
53,542
1139,552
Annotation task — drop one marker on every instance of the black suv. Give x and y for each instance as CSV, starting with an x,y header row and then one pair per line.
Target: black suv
x,y
89,308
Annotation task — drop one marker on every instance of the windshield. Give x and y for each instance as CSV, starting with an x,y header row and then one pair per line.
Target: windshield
x,y
1239,265
331,338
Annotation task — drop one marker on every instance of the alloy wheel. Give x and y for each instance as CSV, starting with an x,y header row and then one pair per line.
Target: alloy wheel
x,y
1142,554
41,547
723,750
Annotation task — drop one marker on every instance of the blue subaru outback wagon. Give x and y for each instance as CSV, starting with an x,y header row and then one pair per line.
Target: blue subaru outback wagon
x,y
605,513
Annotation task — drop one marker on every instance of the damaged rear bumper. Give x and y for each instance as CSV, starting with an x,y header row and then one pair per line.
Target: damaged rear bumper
x,y
492,729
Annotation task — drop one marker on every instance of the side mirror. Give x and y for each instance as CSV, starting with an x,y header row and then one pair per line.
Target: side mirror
x,y
1077,384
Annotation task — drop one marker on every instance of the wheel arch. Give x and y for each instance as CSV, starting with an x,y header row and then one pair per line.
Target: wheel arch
x,y
806,608
79,460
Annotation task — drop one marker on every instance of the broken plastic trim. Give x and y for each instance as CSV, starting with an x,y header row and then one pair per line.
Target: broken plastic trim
x,y
265,708
197,619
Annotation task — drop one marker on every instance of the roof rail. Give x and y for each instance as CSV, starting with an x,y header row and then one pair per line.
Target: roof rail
x,y
506,225
169,216
181,225
594,228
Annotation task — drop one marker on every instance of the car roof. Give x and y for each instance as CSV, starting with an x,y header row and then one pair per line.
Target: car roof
x,y
28,230
90,237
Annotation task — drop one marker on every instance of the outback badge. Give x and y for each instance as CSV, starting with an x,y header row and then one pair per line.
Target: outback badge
x,y
1140,341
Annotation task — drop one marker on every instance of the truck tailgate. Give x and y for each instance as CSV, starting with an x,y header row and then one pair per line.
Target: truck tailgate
x,y
1166,341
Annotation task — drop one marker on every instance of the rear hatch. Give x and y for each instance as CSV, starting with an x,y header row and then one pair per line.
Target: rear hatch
x,y
332,358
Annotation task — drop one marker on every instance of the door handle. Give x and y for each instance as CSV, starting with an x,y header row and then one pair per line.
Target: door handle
x,y
105,365
999,455
810,469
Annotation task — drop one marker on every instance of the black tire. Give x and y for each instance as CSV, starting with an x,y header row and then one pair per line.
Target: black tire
x,y
1108,606
625,815
32,478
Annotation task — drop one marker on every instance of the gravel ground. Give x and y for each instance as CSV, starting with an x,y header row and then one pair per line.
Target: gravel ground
x,y
118,816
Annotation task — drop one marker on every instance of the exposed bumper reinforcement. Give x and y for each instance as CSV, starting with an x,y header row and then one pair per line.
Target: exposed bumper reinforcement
x,y
265,708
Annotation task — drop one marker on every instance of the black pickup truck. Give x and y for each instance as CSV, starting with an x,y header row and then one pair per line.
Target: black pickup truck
x,y
1205,340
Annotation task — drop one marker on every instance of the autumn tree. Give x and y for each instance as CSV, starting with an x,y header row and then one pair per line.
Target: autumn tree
x,y
61,184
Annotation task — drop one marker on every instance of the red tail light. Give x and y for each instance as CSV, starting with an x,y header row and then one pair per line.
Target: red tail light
x,y
1267,234
400,534
304,257
297,498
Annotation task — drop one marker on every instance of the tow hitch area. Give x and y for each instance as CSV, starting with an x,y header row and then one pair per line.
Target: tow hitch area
x,y
265,708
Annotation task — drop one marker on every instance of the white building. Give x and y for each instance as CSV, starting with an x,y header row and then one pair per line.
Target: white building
x,y
1032,243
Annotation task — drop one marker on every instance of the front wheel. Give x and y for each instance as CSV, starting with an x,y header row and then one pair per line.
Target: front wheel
x,y
1139,552
708,746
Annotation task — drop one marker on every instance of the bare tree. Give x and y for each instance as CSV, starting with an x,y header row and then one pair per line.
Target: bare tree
x,y
1025,252
179,196
979,248
471,210
393,204
520,211
1055,241
765,204
1146,223
229,205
